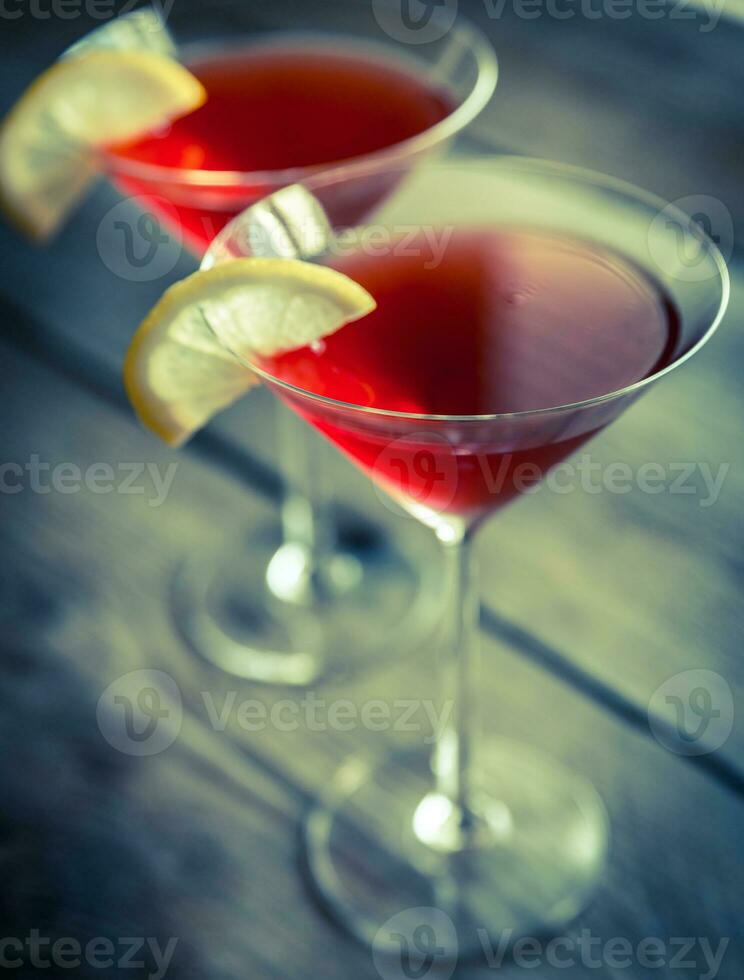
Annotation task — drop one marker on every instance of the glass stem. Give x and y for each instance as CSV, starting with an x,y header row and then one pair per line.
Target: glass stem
x,y
305,515
453,758
297,513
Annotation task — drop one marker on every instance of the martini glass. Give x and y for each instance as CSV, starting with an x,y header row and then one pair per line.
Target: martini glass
x,y
316,594
437,850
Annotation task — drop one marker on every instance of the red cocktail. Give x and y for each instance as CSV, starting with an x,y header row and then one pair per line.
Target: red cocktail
x,y
499,322
278,107
297,92
526,306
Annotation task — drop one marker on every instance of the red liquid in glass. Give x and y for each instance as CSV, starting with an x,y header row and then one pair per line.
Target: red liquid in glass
x,y
276,107
505,321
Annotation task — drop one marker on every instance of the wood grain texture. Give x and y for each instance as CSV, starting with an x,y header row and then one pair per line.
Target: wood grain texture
x,y
613,593
207,829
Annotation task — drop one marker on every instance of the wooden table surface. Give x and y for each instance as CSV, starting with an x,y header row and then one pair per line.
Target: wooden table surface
x,y
590,602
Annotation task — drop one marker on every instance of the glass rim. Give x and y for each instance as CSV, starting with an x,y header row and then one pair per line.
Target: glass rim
x,y
546,167
453,123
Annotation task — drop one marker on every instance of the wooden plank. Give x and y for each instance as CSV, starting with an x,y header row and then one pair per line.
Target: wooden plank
x,y
234,798
654,101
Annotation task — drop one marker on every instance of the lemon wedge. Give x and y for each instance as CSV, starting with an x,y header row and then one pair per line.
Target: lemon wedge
x,y
188,359
49,141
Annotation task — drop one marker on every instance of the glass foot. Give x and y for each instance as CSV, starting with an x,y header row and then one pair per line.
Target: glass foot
x,y
379,858
264,615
